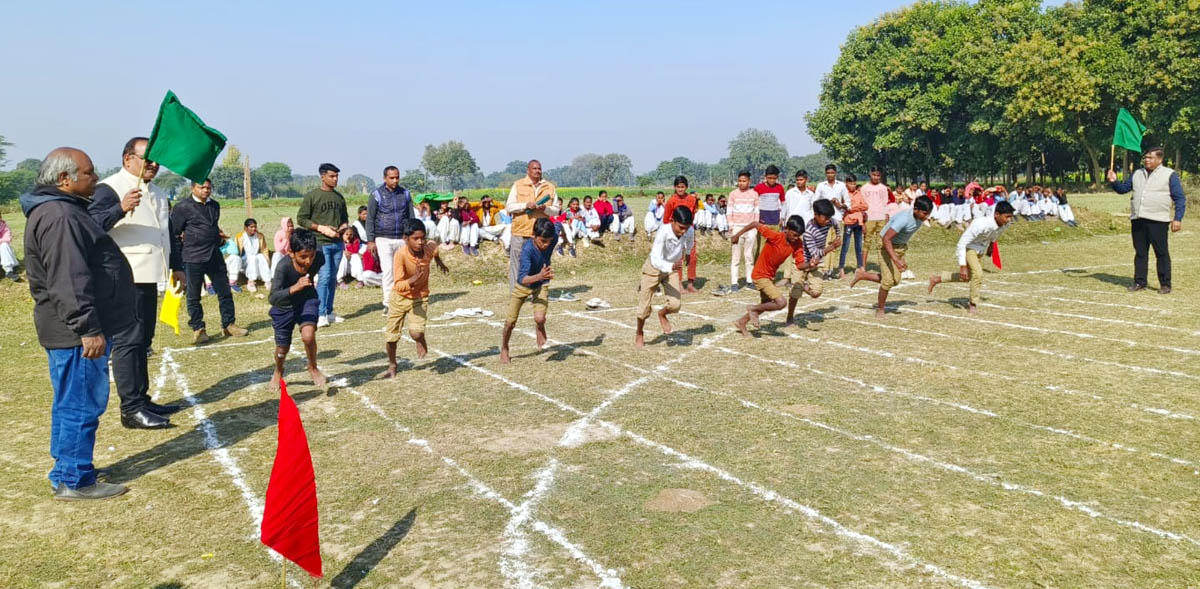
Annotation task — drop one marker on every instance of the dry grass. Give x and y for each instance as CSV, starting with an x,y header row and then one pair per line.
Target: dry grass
x,y
920,450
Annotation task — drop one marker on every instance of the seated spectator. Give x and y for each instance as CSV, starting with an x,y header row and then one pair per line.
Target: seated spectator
x,y
571,226
233,263
8,259
722,224
361,222
351,265
252,248
490,227
653,218
426,216
591,220
623,224
468,226
604,210
447,226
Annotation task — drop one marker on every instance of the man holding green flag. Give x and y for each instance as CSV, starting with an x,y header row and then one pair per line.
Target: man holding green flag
x,y
1156,189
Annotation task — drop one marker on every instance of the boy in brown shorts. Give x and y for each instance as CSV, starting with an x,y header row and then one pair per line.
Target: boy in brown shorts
x,y
533,281
816,248
777,248
900,228
410,295
672,240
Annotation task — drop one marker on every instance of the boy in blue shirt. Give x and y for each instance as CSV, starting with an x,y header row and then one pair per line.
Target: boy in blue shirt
x,y
896,234
533,280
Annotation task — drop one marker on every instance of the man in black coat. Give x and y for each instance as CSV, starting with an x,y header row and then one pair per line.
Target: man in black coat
x,y
196,234
81,285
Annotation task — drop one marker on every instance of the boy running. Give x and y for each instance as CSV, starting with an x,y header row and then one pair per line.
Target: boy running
x,y
777,248
976,241
294,302
410,268
533,280
896,234
816,247
666,255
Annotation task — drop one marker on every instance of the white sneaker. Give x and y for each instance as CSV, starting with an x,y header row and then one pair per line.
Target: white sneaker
x,y
908,275
334,318
323,321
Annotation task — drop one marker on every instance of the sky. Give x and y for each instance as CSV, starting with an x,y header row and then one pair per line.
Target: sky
x,y
369,83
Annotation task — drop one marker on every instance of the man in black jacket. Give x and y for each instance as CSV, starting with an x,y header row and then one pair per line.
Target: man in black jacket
x,y
196,234
81,285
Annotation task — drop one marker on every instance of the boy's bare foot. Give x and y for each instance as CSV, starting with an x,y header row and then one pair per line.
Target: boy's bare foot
x,y
752,317
666,325
275,378
934,281
390,373
690,288
541,338
740,324
421,350
879,313
317,376
971,308
504,356
858,275
639,341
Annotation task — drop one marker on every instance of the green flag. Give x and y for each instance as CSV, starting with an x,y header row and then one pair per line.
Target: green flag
x,y
1128,133
182,142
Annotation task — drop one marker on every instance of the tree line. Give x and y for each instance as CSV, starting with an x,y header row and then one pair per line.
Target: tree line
x,y
997,88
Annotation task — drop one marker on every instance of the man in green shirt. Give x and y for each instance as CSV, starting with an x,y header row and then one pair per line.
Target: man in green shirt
x,y
324,211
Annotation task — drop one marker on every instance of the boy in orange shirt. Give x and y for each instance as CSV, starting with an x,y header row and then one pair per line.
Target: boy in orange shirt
x,y
411,291
778,246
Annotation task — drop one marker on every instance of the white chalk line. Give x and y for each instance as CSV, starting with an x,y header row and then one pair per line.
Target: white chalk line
x,y
1085,302
1139,324
512,565
1081,506
758,490
220,453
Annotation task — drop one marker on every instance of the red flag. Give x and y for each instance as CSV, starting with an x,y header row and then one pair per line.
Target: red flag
x,y
996,254
289,523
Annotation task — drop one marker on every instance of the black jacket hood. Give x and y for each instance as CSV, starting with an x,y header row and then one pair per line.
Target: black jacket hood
x,y
43,194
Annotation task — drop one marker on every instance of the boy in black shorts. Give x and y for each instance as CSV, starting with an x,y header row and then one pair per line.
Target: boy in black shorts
x,y
294,302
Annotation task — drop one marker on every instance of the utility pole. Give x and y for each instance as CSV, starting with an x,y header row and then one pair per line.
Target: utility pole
x,y
246,185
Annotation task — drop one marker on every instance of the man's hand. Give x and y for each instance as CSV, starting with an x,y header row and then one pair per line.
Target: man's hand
x,y
222,233
131,200
327,231
963,274
93,346
1176,226
529,206
1112,176
180,279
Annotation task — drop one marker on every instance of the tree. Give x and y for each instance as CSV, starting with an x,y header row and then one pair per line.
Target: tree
x,y
359,184
516,167
754,150
233,157
451,162
30,164
228,181
15,183
614,169
666,171
415,181
272,175
3,151
169,181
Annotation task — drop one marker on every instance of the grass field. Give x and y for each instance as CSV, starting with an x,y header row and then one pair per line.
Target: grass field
x,y
1051,440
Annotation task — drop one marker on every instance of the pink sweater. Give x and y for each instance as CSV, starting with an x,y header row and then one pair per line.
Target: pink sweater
x,y
741,208
876,196
5,232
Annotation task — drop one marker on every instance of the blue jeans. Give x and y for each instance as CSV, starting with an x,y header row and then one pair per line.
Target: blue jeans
x,y
855,231
80,397
327,276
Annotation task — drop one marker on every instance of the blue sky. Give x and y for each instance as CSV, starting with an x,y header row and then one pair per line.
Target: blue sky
x,y
366,84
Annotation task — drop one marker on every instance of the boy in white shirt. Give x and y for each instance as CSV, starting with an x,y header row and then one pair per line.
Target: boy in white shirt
x,y
976,241
799,199
675,238
835,192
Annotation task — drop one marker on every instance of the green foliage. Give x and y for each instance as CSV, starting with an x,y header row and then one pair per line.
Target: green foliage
x,y
415,181
451,162
171,182
15,183
754,150
273,176
228,181
30,164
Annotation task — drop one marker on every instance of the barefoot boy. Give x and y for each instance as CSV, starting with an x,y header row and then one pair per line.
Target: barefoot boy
x,y
410,294
294,302
899,229
816,247
673,239
533,279
975,242
777,248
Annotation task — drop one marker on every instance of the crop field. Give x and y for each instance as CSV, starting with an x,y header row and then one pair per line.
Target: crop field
x,y
1049,440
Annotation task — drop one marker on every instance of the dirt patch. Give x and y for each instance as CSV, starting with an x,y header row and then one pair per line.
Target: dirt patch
x,y
676,500
804,410
521,441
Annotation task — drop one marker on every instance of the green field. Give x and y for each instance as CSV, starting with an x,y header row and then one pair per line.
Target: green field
x,y
1049,441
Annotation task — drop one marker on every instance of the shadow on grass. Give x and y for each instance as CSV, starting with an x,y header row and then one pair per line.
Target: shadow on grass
x,y
683,337
560,352
376,308
441,297
370,557
170,585
1122,281
367,359
577,289
232,426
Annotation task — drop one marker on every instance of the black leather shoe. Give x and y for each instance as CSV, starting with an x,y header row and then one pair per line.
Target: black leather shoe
x,y
1164,290
143,419
1136,287
94,492
163,410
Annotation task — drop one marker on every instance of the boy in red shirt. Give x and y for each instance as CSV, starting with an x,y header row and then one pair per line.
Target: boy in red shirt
x,y
682,198
777,248
771,195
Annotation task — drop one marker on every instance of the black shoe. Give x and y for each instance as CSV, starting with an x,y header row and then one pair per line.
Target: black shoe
x,y
1136,287
163,410
1164,290
144,419
94,492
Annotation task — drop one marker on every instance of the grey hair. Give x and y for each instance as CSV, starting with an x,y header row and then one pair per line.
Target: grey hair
x,y
55,165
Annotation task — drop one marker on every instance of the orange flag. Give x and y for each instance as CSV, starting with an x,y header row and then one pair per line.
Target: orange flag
x,y
289,523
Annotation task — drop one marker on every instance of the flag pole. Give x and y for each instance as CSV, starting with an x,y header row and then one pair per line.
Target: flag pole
x,y
1112,157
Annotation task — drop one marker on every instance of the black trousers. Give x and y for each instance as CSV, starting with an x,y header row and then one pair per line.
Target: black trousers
x,y
129,347
215,269
1147,234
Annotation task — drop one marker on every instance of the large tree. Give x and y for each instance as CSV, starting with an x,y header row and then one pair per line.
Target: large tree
x,y
755,149
451,162
273,175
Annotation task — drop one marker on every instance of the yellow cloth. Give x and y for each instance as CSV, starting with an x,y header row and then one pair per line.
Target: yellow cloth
x,y
169,313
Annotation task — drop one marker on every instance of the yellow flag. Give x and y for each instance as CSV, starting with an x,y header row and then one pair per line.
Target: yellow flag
x,y
169,313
